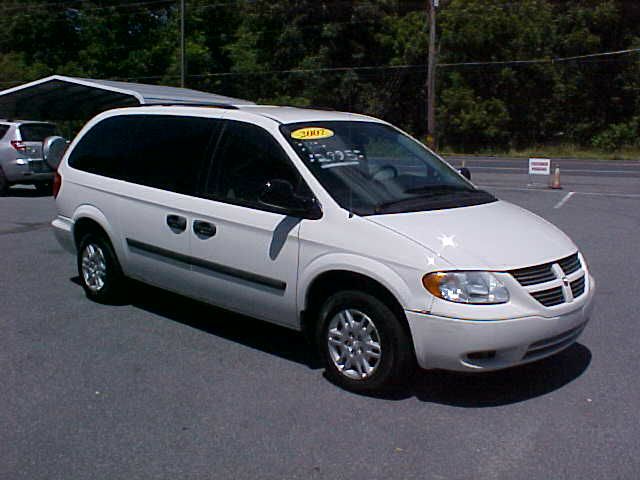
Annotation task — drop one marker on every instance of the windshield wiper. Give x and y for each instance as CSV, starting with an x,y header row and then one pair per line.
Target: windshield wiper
x,y
438,189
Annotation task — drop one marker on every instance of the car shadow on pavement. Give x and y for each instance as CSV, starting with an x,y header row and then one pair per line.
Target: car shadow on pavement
x,y
503,387
466,390
267,337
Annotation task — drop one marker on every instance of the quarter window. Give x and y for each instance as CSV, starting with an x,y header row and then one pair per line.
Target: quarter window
x,y
104,149
3,130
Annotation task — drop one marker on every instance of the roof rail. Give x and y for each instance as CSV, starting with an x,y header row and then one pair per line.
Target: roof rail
x,y
194,104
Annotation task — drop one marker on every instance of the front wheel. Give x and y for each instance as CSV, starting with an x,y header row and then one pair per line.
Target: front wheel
x,y
100,273
364,345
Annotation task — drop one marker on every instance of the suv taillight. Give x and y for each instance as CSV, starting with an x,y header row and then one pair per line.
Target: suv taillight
x,y
18,145
57,183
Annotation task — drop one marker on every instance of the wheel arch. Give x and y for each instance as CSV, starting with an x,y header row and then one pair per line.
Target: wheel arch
x,y
88,219
339,278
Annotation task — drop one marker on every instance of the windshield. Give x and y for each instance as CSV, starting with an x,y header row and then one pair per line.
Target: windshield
x,y
37,132
371,168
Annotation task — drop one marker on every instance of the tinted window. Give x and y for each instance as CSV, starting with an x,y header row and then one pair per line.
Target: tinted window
x,y
105,148
159,151
246,159
37,132
3,130
168,152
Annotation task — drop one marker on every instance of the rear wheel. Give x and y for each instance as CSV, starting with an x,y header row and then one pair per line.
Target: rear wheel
x,y
100,273
364,345
4,184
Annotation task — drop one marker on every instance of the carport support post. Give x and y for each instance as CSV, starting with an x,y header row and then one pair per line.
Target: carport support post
x,y
431,77
183,59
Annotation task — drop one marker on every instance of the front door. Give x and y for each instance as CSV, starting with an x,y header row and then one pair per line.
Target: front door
x,y
245,256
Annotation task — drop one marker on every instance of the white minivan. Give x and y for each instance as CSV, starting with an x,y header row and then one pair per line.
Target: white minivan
x,y
335,224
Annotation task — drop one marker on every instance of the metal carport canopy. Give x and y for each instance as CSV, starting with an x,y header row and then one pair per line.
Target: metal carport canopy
x,y
62,98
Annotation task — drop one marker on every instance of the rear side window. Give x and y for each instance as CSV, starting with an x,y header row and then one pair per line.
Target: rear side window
x,y
246,159
160,151
168,152
3,130
105,149
37,132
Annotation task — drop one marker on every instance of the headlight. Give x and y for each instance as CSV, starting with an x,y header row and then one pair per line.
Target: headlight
x,y
466,287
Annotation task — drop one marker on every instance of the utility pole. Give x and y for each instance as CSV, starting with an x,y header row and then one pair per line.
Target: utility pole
x,y
183,59
431,76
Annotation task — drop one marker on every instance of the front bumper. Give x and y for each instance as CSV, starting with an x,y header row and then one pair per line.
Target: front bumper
x,y
473,346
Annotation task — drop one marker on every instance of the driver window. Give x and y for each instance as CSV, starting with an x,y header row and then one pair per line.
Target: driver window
x,y
246,159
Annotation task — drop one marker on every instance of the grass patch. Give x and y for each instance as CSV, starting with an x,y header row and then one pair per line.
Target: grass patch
x,y
558,151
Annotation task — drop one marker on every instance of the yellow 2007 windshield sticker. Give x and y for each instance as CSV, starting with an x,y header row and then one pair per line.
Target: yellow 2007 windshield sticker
x,y
312,133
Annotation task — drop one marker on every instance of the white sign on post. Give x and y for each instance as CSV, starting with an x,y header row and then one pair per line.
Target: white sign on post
x,y
539,166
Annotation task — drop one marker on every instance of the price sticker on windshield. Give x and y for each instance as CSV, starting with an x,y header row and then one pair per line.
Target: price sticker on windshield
x,y
312,133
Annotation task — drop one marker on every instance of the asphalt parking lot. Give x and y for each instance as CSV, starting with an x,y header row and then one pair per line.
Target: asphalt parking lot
x,y
166,387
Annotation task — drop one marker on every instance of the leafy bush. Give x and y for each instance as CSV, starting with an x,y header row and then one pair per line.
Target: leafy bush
x,y
471,122
617,136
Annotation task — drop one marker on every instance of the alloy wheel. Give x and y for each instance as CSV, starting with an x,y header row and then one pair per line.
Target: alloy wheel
x,y
354,344
94,267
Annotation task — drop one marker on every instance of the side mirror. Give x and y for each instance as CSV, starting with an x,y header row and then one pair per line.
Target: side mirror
x,y
53,149
464,171
280,196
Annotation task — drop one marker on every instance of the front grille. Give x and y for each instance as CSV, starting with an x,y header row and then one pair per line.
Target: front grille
x,y
550,297
570,264
549,272
555,343
534,275
577,287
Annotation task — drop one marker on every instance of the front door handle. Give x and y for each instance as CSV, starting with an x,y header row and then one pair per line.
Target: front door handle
x,y
176,223
204,229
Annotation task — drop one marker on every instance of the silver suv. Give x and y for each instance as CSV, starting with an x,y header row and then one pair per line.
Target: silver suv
x,y
21,154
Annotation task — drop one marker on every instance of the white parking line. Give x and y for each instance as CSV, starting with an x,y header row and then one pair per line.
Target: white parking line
x,y
564,200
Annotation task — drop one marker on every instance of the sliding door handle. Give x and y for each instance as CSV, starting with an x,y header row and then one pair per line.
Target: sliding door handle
x,y
176,223
204,229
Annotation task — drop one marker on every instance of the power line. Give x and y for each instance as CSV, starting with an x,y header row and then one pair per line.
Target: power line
x,y
539,60
588,59
40,6
412,66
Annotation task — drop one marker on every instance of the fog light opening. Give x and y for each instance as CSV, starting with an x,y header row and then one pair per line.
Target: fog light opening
x,y
486,355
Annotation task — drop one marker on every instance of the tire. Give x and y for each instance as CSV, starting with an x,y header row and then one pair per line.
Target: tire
x,y
99,270
44,188
379,346
4,184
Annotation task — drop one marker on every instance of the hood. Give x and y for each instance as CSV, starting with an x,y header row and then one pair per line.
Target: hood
x,y
493,236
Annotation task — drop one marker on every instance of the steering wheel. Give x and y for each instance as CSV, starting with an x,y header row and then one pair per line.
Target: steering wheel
x,y
386,172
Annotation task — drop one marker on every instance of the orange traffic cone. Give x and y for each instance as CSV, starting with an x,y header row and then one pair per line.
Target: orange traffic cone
x,y
555,180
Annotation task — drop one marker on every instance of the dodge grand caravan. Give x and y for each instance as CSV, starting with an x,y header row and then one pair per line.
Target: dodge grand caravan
x,y
335,224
